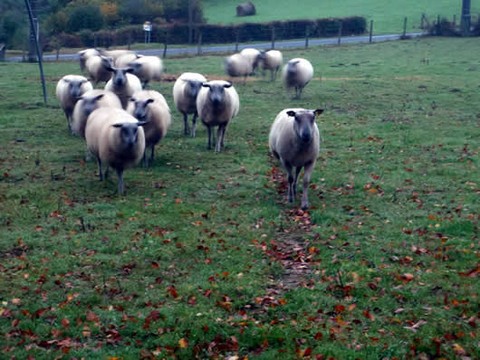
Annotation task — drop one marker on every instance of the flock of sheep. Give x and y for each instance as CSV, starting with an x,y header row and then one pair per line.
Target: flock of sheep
x,y
124,121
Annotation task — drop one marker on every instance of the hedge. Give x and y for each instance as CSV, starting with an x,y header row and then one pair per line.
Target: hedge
x,y
217,34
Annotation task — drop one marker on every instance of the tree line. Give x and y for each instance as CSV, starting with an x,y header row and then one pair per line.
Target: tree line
x,y
73,16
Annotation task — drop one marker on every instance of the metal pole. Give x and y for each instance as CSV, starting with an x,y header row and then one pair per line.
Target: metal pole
x,y
371,32
466,17
404,27
32,24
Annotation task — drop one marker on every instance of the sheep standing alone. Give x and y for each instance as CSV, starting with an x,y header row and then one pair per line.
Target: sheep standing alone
x,y
297,73
295,140
116,139
68,91
217,104
271,60
147,68
123,83
151,107
185,92
88,102
237,65
253,56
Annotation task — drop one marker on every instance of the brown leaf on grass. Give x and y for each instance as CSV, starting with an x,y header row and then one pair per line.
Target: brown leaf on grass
x,y
416,325
471,273
183,343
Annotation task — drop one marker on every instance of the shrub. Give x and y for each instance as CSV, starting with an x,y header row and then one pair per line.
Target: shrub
x,y
85,17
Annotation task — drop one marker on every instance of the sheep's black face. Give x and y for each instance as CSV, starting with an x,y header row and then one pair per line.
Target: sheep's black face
x,y
217,94
193,87
141,108
119,78
303,125
75,89
128,135
90,104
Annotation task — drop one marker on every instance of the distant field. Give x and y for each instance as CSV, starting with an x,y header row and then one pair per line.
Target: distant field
x,y
388,16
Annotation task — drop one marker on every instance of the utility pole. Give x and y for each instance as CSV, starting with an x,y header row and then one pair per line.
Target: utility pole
x,y
190,21
466,17
33,33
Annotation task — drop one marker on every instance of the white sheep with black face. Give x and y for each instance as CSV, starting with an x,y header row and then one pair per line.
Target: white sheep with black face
x,y
185,92
297,73
217,104
271,60
83,55
96,67
116,139
253,56
151,107
88,102
147,68
123,83
294,140
69,89
237,65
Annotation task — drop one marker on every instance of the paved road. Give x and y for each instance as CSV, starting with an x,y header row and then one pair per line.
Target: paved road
x,y
206,49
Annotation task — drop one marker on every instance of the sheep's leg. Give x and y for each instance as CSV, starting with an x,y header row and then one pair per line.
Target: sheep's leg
x,y
100,171
295,181
152,154
220,137
120,181
186,130
194,124
306,181
289,168
209,129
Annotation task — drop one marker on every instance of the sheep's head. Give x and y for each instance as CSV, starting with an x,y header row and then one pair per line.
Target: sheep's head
x,y
303,125
75,87
90,103
192,88
128,133
216,92
141,108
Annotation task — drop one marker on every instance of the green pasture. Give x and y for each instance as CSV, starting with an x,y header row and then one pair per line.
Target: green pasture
x,y
204,258
388,16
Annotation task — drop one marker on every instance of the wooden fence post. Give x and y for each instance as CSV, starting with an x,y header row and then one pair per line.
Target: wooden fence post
x,y
165,45
404,27
340,28
237,39
273,36
199,44
307,35
370,32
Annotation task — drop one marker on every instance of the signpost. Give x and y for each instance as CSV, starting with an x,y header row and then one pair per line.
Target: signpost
x,y
147,28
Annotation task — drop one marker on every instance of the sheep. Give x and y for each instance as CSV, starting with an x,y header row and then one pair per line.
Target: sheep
x,y
294,139
253,56
88,102
217,104
147,68
297,73
116,139
85,54
115,53
125,59
123,83
237,65
151,107
185,91
97,68
68,91
271,60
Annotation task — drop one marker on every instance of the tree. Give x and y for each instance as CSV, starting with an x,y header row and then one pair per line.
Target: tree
x,y
85,17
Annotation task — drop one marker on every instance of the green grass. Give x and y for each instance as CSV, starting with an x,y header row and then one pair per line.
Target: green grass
x,y
204,258
388,17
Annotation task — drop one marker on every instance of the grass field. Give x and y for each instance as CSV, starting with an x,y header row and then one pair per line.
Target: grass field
x,y
203,258
388,17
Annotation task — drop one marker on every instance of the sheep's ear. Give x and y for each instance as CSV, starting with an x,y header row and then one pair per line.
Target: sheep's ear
x,y
318,112
98,97
291,113
131,69
207,85
149,101
227,85
142,123
117,125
